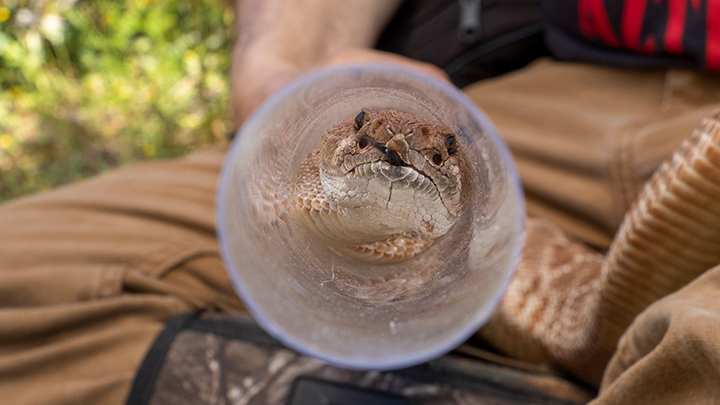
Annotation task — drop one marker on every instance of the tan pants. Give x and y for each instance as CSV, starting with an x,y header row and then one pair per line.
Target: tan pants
x,y
90,273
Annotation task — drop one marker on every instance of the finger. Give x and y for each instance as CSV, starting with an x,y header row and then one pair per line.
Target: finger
x,y
360,55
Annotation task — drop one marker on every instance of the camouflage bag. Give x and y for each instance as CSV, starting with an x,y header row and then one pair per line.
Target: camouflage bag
x,y
228,359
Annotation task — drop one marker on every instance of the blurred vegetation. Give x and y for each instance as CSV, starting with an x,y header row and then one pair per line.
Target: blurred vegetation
x,y
93,84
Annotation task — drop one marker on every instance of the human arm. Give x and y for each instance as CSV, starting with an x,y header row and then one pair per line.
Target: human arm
x,y
281,39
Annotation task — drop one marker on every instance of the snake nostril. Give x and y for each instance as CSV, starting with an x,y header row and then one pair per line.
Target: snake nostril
x,y
437,159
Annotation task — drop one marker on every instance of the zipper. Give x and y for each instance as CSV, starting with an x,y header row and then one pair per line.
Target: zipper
x,y
470,28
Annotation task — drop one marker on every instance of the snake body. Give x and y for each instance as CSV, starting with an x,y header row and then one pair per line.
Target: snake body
x,y
383,185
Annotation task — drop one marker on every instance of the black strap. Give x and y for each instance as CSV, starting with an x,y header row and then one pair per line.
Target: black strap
x,y
508,35
144,384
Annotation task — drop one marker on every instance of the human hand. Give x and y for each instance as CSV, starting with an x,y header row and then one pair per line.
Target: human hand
x,y
365,55
263,75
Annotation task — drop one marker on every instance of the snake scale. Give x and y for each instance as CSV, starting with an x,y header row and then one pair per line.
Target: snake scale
x,y
383,185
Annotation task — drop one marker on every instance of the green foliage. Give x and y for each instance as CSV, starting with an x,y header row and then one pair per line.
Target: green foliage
x,y
95,84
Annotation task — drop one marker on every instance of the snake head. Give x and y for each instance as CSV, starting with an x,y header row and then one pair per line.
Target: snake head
x,y
407,172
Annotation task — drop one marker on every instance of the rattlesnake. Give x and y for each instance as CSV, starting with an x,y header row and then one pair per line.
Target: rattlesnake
x,y
568,304
383,185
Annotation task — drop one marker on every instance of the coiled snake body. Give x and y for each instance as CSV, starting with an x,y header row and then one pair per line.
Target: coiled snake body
x,y
383,185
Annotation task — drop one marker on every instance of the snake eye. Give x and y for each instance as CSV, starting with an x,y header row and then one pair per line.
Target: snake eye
x,y
451,145
359,120
437,159
363,142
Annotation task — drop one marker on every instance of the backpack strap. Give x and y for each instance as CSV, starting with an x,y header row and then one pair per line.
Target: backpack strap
x,y
469,39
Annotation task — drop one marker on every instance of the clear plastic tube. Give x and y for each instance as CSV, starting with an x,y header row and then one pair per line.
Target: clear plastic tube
x,y
347,312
